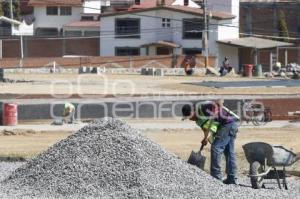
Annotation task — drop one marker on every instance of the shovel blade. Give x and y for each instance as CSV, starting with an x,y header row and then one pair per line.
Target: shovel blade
x,y
197,159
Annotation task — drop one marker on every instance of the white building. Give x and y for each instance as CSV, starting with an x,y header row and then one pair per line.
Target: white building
x,y
18,27
165,29
74,18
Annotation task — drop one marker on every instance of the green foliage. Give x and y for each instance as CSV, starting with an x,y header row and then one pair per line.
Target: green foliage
x,y
5,9
282,26
16,10
1,10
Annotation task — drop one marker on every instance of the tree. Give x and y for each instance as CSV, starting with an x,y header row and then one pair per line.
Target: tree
x,y
17,10
5,9
1,10
282,26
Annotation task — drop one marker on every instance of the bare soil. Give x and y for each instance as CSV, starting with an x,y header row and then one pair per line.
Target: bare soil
x,y
29,143
113,84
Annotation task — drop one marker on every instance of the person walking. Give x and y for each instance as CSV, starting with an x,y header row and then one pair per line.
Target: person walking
x,y
219,122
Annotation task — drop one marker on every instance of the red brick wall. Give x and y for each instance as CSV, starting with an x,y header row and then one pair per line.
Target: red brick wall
x,y
276,105
88,47
114,62
264,23
263,20
44,48
34,47
11,48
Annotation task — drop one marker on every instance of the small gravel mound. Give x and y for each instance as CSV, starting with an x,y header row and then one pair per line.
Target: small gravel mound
x,y
109,159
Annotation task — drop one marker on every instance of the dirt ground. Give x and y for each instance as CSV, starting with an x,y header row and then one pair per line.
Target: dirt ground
x,y
28,143
126,84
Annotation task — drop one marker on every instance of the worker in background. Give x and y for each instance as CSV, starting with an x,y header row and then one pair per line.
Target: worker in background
x,y
277,67
226,68
189,63
69,113
219,126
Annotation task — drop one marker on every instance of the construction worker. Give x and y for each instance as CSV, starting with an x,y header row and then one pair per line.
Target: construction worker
x,y
69,113
226,68
218,123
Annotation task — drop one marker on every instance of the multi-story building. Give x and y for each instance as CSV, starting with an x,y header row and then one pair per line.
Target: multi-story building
x,y
67,17
167,28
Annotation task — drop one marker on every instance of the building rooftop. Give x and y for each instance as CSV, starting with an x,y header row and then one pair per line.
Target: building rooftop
x,y
270,1
83,24
55,2
254,42
182,9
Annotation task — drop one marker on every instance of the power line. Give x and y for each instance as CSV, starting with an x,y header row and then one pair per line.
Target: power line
x,y
184,20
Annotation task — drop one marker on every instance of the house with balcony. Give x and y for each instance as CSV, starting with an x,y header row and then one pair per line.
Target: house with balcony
x,y
168,28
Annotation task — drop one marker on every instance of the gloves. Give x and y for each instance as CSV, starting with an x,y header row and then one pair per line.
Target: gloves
x,y
204,141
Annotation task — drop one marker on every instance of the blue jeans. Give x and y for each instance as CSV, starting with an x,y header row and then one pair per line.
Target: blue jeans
x,y
224,144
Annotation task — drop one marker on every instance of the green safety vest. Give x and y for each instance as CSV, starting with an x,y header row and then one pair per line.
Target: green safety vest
x,y
206,123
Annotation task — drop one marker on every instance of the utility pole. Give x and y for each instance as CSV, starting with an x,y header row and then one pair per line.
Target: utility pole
x,y
205,33
11,9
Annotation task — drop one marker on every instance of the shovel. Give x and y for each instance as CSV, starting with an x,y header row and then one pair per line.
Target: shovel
x,y
197,159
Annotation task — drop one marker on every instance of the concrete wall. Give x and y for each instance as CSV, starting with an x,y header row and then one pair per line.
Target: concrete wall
x,y
99,109
141,109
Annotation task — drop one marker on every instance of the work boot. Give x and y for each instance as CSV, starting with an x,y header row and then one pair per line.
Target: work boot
x,y
227,181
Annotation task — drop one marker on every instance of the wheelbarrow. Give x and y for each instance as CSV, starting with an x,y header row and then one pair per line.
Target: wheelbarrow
x,y
265,159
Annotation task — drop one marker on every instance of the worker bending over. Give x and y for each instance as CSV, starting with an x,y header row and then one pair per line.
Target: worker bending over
x,y
69,113
219,122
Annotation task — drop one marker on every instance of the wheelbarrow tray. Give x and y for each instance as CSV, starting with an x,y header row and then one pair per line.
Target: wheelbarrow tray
x,y
282,157
274,155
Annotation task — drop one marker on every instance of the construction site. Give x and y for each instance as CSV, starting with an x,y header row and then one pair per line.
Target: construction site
x,y
128,139
149,99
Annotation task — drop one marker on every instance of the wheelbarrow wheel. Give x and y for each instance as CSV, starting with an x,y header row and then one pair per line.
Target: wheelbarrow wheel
x,y
255,169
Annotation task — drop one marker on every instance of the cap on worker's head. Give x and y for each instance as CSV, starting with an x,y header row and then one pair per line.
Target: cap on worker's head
x,y
186,111
67,104
220,102
226,58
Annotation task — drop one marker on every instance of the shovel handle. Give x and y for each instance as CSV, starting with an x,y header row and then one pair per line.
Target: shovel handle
x,y
201,148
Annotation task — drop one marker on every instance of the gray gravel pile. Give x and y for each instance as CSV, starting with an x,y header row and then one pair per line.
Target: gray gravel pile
x,y
108,159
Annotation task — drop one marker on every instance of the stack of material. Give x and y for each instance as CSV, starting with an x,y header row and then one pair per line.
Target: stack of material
x,y
108,159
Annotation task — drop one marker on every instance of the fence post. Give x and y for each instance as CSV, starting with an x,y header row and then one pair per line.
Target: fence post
x,y
271,62
1,49
174,60
285,57
130,62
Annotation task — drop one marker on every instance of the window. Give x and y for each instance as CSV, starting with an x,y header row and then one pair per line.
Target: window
x,y
127,28
165,23
192,51
163,51
87,18
137,2
192,28
47,32
186,2
65,11
52,10
73,33
91,33
127,51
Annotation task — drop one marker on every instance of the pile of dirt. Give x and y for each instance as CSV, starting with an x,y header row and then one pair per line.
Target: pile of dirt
x,y
109,159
